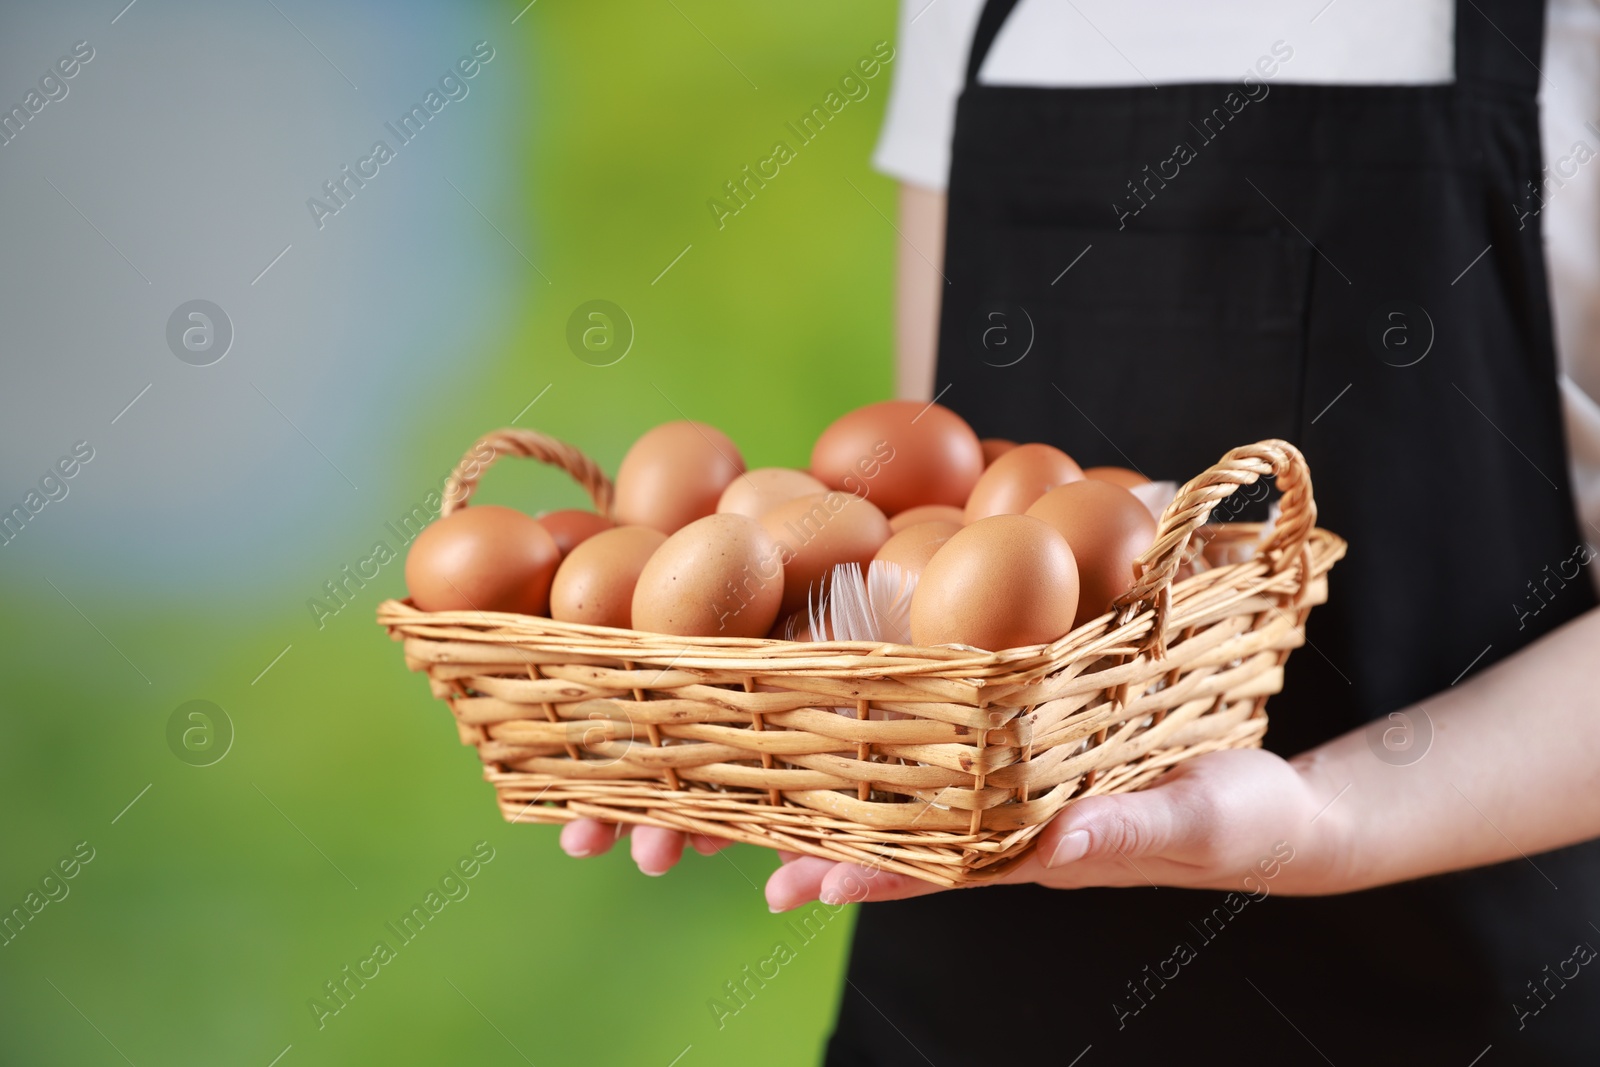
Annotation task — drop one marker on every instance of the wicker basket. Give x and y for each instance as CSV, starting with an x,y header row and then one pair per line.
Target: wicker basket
x,y
742,738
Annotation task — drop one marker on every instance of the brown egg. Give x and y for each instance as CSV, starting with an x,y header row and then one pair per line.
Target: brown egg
x,y
595,583
754,493
483,558
573,525
994,448
926,513
1018,478
1108,528
720,576
1116,476
914,546
674,475
816,533
899,454
1003,582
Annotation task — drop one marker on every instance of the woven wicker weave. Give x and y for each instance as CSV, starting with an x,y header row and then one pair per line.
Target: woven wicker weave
x,y
741,738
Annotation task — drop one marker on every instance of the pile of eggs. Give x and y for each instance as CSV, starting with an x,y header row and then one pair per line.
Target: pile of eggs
x,y
1008,545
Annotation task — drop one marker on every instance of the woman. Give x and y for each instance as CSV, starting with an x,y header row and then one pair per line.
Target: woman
x,y
1156,251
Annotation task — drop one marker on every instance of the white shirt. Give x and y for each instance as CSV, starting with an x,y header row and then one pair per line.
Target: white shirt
x,y
1116,42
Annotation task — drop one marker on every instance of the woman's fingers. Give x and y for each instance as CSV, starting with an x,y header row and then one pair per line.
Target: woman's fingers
x,y
1089,843
1126,826
797,881
1202,824
806,878
656,850
1114,829
589,837
849,883
1199,826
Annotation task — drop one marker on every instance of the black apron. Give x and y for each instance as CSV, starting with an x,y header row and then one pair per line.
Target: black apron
x,y
1147,277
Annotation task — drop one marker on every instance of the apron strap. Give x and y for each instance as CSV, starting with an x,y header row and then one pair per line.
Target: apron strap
x,y
989,22
1498,42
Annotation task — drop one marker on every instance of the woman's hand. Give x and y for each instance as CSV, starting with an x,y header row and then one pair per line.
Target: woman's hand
x,y
1208,824
1354,814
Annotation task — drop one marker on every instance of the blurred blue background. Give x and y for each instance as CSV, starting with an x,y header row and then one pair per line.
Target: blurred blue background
x,y
239,869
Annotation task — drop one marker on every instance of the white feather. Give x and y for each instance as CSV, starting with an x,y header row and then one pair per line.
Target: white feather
x,y
849,613
817,613
889,589
873,607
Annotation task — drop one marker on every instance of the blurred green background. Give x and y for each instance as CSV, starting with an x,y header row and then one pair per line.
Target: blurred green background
x,y
219,903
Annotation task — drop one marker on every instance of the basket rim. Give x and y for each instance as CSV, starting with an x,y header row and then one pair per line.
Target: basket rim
x,y
757,655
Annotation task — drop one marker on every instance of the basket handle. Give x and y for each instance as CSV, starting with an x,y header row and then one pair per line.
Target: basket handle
x,y
1193,506
511,441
